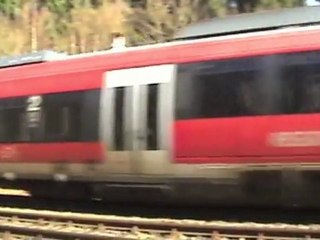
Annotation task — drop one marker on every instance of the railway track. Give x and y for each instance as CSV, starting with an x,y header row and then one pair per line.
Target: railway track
x,y
16,223
229,214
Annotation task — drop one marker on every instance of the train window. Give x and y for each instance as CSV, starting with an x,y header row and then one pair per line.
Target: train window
x,y
90,116
72,122
152,117
118,137
268,85
62,121
62,117
11,122
2,127
301,80
12,117
219,89
54,125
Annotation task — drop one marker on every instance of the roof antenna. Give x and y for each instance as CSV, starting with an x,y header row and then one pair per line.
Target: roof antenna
x,y
118,41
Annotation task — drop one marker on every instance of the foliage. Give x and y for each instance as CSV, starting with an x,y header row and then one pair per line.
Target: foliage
x,y
87,25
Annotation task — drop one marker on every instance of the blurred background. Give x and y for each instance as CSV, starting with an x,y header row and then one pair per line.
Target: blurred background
x,y
75,26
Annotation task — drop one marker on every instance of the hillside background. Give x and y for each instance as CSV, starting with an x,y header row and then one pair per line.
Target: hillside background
x,y
75,26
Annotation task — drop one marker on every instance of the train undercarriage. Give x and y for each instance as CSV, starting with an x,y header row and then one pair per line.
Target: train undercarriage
x,y
277,189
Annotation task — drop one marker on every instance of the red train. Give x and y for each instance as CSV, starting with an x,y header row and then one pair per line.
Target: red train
x,y
227,113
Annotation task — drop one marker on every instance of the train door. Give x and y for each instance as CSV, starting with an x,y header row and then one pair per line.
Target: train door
x,y
137,119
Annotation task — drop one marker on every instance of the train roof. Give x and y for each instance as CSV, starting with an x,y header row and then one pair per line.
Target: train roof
x,y
36,57
251,22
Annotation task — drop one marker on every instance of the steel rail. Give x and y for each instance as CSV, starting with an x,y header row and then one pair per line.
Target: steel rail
x,y
65,225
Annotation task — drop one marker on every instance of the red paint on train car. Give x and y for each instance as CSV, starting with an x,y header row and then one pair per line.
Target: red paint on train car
x,y
87,72
51,84
84,152
248,140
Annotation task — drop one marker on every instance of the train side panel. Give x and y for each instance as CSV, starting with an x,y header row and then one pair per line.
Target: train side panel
x,y
266,141
51,128
68,152
253,110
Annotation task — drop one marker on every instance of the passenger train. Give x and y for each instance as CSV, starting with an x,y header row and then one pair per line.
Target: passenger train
x,y
227,113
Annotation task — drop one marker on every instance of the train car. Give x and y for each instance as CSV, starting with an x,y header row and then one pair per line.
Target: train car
x,y
228,113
